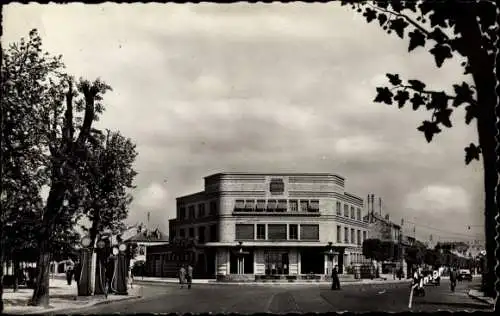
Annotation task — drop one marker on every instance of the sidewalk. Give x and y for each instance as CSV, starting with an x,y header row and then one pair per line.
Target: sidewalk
x,y
62,297
478,295
145,280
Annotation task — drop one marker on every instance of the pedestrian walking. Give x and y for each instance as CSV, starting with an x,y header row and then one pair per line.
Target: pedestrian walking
x,y
182,276
69,274
335,279
189,276
453,279
77,272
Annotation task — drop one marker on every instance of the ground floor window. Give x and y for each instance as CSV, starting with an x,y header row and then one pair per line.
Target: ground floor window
x,y
241,264
276,262
312,261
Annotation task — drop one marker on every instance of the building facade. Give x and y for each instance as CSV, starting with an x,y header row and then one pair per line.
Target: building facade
x,y
247,225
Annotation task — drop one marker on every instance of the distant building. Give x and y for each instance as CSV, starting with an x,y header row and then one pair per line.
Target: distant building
x,y
250,224
144,238
382,228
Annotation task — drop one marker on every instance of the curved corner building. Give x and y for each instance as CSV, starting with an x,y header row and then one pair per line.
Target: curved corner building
x,y
248,226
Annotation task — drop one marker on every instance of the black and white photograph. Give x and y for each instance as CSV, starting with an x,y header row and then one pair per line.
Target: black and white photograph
x,y
298,157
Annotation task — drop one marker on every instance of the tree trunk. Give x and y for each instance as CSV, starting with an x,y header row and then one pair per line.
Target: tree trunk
x,y
54,203
16,273
1,279
41,292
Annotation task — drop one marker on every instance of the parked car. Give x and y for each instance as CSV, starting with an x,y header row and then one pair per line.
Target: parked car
x,y
464,274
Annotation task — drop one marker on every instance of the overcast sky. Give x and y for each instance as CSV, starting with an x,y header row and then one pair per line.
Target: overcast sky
x,y
267,88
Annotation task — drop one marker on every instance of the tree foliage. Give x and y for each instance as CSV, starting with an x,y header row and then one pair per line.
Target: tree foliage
x,y
448,29
108,175
48,140
376,249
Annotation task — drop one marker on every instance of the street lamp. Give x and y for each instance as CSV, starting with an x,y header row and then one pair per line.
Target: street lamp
x,y
84,282
121,270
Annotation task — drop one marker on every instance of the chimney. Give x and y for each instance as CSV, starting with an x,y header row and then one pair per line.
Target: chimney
x,y
380,205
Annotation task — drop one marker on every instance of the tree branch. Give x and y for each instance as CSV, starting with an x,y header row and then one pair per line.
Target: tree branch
x,y
412,22
68,124
89,94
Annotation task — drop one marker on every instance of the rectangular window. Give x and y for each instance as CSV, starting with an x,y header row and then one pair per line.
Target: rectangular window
x,y
346,210
353,240
359,214
304,205
276,232
339,208
213,208
239,205
182,213
293,232
309,232
261,205
201,210
293,206
191,232
282,206
201,234
339,234
244,231
261,231
182,233
213,232
271,205
249,205
359,237
191,212
314,206
352,213
346,235
364,235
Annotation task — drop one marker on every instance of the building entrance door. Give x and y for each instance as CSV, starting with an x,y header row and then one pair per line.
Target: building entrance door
x,y
276,262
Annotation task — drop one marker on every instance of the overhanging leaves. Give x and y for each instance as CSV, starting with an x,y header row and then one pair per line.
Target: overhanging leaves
x,y
384,95
471,152
441,53
417,38
401,97
429,129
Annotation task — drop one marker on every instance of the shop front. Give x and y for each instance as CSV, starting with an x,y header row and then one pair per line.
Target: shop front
x,y
292,263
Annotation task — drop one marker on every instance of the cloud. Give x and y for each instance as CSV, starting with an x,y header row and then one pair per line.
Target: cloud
x,y
208,88
153,196
438,198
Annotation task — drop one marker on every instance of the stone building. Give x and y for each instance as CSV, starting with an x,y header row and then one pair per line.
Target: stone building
x,y
250,225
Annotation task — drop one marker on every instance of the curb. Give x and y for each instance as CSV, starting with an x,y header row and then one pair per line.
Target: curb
x,y
481,299
70,309
275,283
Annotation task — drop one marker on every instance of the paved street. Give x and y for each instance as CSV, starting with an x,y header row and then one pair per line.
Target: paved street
x,y
165,298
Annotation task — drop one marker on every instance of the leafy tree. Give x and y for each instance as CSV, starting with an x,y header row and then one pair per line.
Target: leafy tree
x,y
25,85
34,83
450,29
108,174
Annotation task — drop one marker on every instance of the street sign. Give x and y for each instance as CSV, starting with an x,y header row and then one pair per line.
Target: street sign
x,y
86,241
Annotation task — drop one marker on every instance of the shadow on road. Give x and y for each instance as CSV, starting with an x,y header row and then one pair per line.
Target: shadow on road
x,y
457,305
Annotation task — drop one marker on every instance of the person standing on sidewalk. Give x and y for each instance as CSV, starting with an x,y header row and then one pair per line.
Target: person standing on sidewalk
x,y
77,272
69,274
182,276
189,276
335,279
453,279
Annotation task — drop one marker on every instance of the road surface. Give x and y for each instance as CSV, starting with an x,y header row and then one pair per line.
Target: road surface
x,y
169,298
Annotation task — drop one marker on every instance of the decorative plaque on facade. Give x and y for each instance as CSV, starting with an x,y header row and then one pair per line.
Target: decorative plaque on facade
x,y
276,186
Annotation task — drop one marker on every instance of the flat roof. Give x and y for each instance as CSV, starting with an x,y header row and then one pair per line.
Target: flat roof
x,y
275,174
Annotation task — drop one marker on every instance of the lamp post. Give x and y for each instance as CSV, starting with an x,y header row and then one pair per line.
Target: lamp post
x,y
84,282
121,270
99,287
